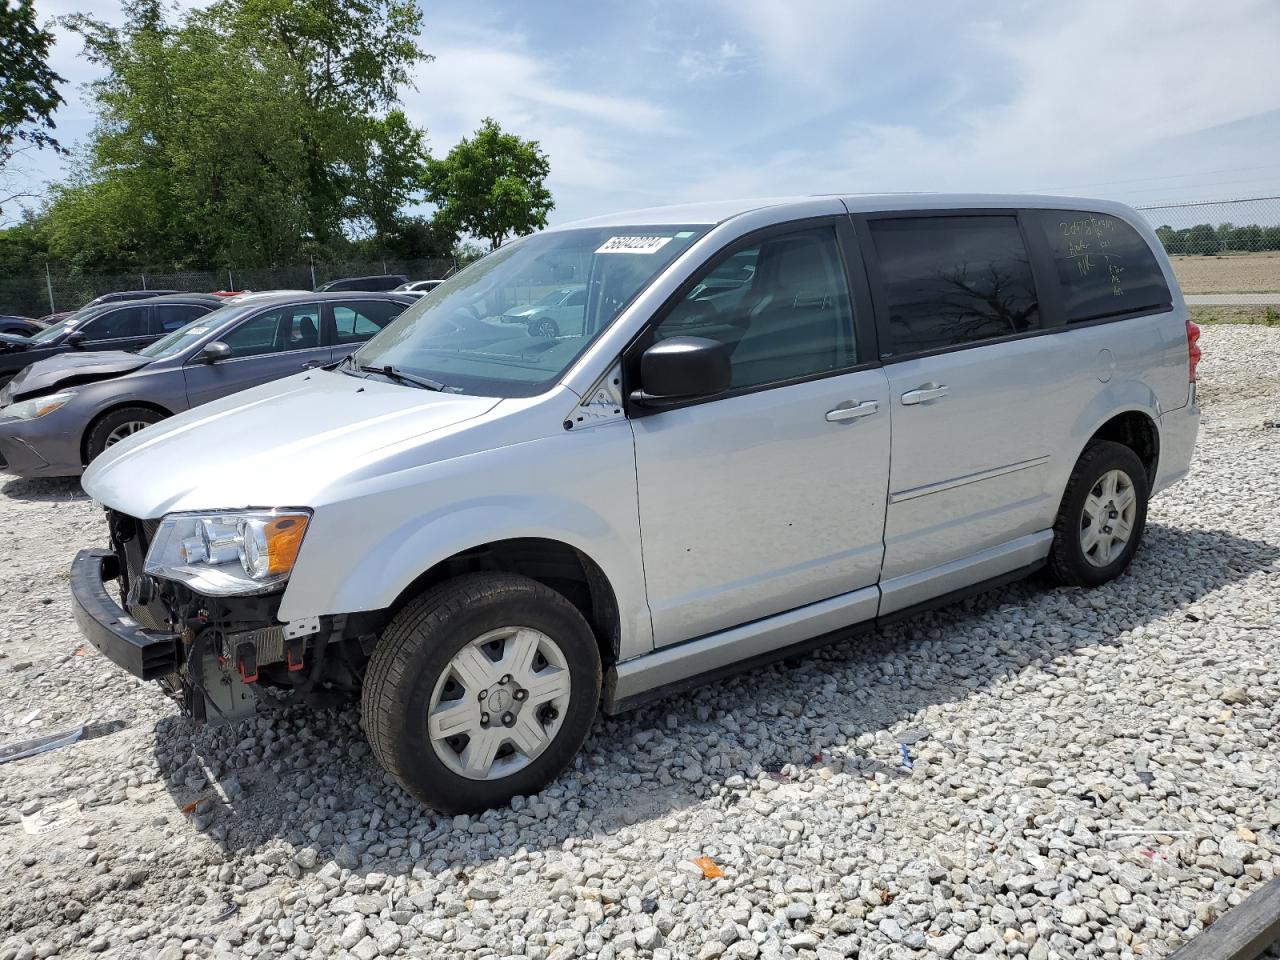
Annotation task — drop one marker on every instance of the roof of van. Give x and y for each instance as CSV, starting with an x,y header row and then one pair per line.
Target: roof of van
x,y
717,211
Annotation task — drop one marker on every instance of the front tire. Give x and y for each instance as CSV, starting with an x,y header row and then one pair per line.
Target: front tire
x,y
482,688
1102,517
114,426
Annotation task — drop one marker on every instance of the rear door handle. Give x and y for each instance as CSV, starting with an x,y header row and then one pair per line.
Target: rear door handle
x,y
925,392
854,412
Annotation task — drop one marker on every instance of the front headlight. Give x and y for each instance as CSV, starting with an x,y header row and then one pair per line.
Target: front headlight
x,y
38,407
225,554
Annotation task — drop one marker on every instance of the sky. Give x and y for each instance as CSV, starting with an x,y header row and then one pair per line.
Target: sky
x,y
644,103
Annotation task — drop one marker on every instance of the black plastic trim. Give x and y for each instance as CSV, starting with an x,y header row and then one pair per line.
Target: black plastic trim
x,y
149,654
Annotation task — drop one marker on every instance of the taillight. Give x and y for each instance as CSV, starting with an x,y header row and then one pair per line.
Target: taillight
x,y
1193,350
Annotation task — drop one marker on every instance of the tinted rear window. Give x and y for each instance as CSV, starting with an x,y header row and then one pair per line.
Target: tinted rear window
x,y
952,281
1103,265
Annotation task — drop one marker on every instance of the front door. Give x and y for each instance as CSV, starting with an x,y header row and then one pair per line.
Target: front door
x,y
274,343
771,496
971,387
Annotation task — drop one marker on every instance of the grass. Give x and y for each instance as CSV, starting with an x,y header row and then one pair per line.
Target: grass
x,y
1251,316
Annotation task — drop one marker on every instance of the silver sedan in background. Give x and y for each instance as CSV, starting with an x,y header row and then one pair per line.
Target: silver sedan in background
x,y
58,414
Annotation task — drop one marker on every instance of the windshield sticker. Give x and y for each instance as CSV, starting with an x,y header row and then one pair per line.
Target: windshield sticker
x,y
633,245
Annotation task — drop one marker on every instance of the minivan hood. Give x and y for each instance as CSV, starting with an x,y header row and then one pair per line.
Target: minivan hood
x,y
276,445
70,369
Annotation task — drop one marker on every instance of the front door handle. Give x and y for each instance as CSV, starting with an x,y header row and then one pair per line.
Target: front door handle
x,y
926,392
853,412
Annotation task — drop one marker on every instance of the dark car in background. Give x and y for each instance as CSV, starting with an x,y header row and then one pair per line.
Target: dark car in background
x,y
57,415
382,281
118,296
125,325
418,286
19,326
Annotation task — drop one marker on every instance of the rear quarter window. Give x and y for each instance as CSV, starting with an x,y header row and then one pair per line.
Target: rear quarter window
x,y
1103,266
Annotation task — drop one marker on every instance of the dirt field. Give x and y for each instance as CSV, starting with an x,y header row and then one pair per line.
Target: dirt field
x,y
1243,273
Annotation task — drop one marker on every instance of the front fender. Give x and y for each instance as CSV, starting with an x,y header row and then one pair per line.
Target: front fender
x,y
576,488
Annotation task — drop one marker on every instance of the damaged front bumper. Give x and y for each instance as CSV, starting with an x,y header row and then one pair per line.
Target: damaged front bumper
x,y
213,656
148,654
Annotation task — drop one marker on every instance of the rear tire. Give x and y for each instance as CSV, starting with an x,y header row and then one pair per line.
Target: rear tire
x,y
452,653
113,427
1102,517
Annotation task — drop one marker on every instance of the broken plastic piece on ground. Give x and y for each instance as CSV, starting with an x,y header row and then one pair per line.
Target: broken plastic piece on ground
x,y
710,869
23,721
190,808
30,748
229,911
906,757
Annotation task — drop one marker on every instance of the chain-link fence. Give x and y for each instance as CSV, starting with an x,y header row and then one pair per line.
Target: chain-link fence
x,y
62,290
1247,225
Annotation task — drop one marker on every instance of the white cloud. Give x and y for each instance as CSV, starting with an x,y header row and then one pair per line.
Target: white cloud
x,y
699,64
1088,89
584,129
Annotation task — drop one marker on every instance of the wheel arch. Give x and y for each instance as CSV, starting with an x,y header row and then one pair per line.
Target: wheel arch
x,y
561,567
113,408
1125,411
1137,430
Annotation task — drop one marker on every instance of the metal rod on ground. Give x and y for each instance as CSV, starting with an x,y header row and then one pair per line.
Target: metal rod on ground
x,y
1241,933
49,282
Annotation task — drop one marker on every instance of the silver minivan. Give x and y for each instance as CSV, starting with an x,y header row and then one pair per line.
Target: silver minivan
x,y
774,423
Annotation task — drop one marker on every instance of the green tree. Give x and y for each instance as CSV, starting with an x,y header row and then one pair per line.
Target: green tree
x,y
249,133
28,88
491,186
347,62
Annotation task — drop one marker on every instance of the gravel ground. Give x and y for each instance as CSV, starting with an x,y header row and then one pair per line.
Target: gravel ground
x,y
1093,774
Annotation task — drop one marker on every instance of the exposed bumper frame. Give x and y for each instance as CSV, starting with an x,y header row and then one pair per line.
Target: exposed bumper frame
x,y
148,654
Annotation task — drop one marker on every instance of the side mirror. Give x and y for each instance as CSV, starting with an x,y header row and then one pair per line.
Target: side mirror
x,y
682,368
76,339
214,351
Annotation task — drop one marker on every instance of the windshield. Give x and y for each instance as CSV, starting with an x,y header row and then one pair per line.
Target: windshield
x,y
184,337
67,324
470,334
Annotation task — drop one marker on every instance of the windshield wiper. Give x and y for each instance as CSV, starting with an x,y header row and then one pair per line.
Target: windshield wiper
x,y
391,372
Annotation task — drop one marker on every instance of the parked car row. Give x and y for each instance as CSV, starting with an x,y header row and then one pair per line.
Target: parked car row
x,y
111,370
752,428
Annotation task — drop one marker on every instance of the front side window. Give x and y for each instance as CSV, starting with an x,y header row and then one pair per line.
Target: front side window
x,y
117,324
275,331
781,305
1103,265
952,281
484,331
